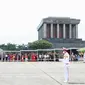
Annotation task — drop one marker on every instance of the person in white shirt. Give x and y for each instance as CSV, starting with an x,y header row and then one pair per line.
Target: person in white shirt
x,y
45,56
40,57
66,64
6,57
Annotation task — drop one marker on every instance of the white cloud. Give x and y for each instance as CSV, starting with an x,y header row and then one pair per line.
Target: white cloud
x,y
19,18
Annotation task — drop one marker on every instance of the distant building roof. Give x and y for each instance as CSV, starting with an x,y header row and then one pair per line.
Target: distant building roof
x,y
59,20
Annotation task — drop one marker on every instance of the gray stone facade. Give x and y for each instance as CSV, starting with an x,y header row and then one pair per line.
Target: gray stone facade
x,y
69,43
61,31
53,27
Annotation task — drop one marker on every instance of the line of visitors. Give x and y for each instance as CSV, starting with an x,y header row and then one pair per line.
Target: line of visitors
x,y
49,56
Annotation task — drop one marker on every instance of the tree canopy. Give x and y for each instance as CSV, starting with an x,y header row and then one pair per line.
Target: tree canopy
x,y
40,44
10,46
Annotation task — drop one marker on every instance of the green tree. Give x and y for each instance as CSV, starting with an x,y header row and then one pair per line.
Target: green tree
x,y
22,47
3,46
40,44
19,47
11,46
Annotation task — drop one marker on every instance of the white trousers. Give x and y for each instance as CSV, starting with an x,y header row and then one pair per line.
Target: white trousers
x,y
66,72
84,60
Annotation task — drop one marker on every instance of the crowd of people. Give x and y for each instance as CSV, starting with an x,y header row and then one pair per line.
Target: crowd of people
x,y
10,57
76,57
19,57
33,56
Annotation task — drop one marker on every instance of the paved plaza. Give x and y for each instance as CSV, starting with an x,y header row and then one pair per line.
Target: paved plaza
x,y
40,73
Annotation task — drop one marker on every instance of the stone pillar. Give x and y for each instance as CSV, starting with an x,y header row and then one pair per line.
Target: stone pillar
x,y
2,57
76,30
57,30
51,30
64,31
70,31
44,31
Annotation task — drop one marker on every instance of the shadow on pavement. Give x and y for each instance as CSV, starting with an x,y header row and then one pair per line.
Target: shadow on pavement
x,y
76,83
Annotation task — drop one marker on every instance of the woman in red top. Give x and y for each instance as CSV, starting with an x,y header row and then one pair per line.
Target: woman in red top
x,y
33,57
22,58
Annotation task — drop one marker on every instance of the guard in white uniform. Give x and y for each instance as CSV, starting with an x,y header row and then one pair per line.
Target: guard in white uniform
x,y
84,57
66,64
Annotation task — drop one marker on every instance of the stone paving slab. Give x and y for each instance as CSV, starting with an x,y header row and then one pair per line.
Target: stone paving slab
x,y
40,73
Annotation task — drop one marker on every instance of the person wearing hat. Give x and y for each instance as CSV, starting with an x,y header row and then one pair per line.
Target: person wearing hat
x,y
66,64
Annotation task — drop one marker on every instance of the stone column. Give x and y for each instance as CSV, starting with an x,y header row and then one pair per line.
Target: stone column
x,y
44,31
76,30
70,31
2,57
57,30
51,30
64,31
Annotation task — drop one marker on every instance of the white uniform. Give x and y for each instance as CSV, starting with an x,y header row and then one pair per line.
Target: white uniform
x,y
66,66
84,57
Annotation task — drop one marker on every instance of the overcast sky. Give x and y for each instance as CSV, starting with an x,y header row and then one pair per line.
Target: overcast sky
x,y
19,18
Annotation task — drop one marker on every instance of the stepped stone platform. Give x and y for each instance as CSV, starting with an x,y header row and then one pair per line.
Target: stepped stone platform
x,y
59,43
